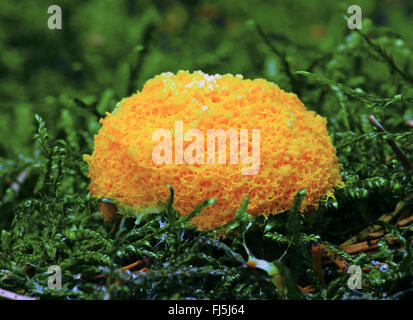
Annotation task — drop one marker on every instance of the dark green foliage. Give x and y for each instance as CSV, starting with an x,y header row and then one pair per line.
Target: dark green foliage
x,y
73,77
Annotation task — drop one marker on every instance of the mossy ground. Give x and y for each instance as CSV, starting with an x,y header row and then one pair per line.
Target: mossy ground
x,y
105,51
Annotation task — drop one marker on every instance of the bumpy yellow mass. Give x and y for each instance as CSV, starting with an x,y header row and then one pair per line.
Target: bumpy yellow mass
x,y
295,149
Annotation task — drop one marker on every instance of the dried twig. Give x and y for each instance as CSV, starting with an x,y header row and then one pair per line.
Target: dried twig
x,y
364,234
387,58
282,56
400,154
368,245
91,108
14,296
405,222
136,68
306,289
16,185
135,264
108,210
131,266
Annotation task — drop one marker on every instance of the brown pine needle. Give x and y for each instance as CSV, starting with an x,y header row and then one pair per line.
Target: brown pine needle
x,y
128,267
108,210
364,234
306,289
367,245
